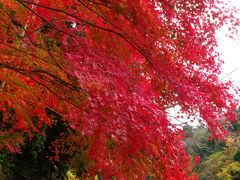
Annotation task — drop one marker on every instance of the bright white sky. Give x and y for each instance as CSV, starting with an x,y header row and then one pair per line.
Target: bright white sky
x,y
230,53
230,50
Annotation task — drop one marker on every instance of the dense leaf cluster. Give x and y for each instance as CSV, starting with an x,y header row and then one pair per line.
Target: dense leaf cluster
x,y
110,69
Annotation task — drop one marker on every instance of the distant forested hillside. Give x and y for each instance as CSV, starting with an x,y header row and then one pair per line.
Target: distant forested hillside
x,y
218,160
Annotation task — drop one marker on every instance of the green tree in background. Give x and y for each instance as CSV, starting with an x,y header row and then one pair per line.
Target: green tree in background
x,y
199,142
218,160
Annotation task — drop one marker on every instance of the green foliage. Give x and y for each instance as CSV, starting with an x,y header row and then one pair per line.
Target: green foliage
x,y
221,165
32,163
230,172
199,144
219,160
6,164
236,156
188,131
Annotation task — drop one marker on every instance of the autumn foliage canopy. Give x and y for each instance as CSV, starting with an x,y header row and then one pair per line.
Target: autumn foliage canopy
x,y
110,69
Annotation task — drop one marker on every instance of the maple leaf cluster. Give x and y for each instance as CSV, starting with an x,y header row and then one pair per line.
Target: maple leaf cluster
x,y
111,68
